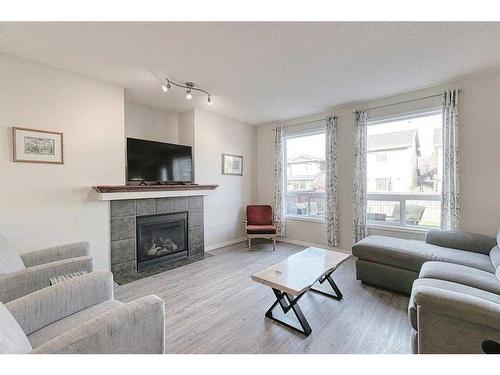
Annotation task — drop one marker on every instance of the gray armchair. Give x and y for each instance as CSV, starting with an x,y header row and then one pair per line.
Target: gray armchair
x,y
29,272
80,316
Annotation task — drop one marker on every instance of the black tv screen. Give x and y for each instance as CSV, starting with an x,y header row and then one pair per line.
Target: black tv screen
x,y
158,161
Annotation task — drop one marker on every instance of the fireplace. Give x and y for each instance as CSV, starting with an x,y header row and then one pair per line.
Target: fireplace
x,y
161,238
130,260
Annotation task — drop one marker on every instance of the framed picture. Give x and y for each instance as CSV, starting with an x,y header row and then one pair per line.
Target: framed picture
x,y
232,164
37,146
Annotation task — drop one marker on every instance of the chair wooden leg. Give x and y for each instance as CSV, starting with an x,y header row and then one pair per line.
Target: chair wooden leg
x,y
274,243
249,244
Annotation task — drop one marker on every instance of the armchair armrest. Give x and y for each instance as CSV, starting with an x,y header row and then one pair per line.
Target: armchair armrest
x,y
48,305
135,327
55,253
17,284
474,242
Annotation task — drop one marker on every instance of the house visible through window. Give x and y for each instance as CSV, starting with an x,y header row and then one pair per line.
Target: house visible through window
x,y
305,178
404,171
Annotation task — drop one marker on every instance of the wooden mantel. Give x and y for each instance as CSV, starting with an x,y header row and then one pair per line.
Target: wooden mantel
x,y
107,193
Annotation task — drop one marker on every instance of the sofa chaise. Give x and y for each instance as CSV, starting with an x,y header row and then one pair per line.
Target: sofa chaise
x,y
80,316
29,272
394,263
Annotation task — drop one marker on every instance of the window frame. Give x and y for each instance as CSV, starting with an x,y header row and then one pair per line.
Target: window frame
x,y
299,134
402,198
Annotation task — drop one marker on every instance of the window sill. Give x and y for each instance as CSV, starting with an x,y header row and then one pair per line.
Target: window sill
x,y
310,219
396,228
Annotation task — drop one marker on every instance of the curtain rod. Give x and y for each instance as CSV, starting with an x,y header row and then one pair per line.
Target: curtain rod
x,y
307,122
406,101
376,107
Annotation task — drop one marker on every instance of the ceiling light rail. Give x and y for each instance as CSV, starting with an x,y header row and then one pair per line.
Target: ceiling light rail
x,y
189,86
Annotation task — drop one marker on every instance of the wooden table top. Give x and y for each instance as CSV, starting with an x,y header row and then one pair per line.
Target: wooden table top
x,y
300,271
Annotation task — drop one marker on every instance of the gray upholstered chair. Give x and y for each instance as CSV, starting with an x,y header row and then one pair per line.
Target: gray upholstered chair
x,y
80,316
29,272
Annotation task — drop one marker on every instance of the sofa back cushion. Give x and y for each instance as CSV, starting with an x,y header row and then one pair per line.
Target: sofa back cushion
x,y
12,338
259,215
478,243
498,237
10,261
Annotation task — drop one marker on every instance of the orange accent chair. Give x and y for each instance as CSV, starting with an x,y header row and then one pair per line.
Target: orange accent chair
x,y
260,224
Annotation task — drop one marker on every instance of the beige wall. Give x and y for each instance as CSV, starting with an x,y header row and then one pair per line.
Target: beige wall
x,y
480,158
149,123
224,207
41,204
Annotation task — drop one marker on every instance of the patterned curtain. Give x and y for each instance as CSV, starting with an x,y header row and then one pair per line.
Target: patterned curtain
x,y
332,213
359,175
450,200
279,179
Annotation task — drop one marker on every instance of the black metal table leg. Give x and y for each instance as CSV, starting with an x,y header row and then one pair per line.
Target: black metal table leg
x,y
288,303
337,296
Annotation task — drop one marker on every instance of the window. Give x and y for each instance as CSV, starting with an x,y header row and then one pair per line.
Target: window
x,y
404,171
305,179
383,184
381,156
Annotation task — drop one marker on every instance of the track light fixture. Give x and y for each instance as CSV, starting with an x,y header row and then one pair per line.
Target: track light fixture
x,y
189,86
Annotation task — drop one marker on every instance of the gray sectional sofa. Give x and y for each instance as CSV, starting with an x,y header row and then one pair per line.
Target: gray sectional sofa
x,y
395,263
454,281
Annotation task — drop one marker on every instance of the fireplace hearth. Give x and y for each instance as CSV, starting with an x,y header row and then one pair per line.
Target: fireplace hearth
x,y
161,238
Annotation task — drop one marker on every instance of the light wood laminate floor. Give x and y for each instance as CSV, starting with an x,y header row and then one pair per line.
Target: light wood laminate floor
x,y
212,306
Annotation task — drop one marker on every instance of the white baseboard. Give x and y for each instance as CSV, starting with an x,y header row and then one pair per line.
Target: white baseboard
x,y
310,244
224,244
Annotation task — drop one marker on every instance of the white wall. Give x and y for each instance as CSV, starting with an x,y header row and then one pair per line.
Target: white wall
x,y
224,207
41,204
149,123
480,158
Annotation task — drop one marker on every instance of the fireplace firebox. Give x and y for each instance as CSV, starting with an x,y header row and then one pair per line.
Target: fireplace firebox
x,y
161,238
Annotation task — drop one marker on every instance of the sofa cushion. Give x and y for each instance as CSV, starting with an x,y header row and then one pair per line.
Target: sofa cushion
x,y
261,229
47,333
461,240
10,261
461,275
12,338
446,285
498,237
411,254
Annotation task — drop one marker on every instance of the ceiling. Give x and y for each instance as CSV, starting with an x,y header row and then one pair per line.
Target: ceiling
x,y
260,72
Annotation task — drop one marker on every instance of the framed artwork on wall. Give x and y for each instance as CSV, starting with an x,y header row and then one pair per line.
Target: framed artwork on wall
x,y
232,164
37,146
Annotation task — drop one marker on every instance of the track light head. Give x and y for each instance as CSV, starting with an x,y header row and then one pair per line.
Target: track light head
x,y
209,100
166,87
189,96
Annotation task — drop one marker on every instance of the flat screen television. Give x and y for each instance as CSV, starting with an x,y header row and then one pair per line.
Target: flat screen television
x,y
158,161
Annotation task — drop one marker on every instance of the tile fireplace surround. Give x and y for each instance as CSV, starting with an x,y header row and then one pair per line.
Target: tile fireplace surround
x,y
123,228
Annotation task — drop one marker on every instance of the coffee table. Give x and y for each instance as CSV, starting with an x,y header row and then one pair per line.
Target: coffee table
x,y
293,277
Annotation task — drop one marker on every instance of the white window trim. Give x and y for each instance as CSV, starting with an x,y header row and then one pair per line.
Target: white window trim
x,y
297,134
